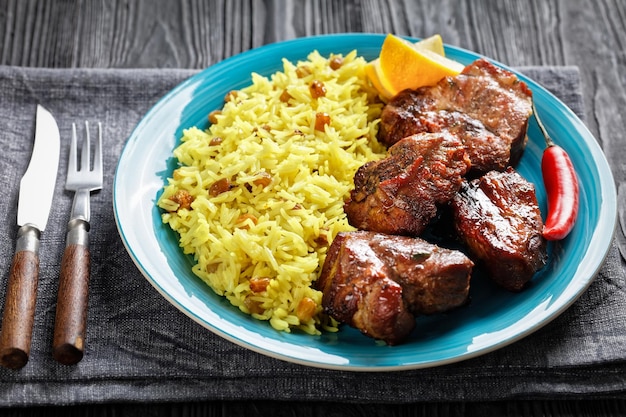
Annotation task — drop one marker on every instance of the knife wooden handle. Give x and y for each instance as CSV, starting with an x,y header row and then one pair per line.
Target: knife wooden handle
x,y
71,314
19,308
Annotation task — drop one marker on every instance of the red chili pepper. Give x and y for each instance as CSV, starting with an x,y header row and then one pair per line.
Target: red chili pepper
x,y
561,183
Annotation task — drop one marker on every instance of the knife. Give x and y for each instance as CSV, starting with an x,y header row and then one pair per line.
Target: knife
x,y
35,200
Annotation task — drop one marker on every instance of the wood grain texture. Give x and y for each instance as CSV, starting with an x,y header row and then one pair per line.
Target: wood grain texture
x,y
298,409
198,33
19,310
70,320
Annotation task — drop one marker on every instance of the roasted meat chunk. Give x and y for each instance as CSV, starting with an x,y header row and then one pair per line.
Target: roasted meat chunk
x,y
498,218
377,283
486,106
400,193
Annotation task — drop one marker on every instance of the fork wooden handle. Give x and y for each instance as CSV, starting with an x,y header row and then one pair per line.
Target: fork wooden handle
x,y
19,308
71,313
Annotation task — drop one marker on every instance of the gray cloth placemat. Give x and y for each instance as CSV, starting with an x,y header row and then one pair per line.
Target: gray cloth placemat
x,y
141,348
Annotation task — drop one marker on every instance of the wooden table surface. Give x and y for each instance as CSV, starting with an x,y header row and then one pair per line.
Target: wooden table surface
x,y
196,34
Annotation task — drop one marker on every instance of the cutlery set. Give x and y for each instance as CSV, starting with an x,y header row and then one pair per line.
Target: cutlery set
x,y
34,203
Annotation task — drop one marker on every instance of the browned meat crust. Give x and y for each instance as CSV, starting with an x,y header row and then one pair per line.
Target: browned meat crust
x,y
377,283
400,193
498,218
486,106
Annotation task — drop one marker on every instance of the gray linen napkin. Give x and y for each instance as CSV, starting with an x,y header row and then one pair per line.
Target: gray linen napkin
x,y
140,348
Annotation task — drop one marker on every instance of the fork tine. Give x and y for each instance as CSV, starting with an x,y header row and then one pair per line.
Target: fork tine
x,y
72,163
85,151
97,158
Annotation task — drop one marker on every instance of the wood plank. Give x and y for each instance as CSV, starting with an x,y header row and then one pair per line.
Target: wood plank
x,y
596,408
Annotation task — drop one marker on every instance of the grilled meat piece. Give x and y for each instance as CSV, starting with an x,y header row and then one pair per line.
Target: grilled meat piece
x,y
486,106
400,193
485,150
497,216
358,291
377,282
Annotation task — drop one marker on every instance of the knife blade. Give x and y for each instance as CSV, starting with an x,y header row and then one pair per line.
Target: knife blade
x,y
34,203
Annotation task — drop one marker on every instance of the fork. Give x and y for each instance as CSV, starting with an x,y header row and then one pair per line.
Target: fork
x,y
71,311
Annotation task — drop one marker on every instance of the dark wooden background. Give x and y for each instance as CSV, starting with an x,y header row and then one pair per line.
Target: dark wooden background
x,y
196,34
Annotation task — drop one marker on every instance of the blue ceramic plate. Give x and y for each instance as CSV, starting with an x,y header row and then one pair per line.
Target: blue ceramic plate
x,y
494,318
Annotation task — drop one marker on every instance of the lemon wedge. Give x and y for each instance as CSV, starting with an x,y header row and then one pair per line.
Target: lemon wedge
x,y
403,64
433,44
372,69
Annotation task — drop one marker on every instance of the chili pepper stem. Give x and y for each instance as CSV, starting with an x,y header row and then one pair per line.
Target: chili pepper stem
x,y
546,136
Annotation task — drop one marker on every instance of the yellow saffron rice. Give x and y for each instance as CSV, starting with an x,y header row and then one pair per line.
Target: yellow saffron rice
x,y
267,188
